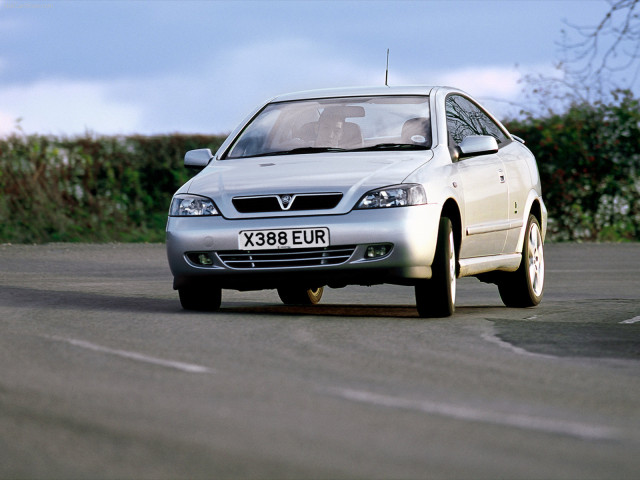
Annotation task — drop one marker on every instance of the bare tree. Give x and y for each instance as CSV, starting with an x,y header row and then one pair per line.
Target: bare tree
x,y
609,47
596,60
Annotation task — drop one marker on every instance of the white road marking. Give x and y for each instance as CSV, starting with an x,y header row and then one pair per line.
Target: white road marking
x,y
631,320
185,367
547,425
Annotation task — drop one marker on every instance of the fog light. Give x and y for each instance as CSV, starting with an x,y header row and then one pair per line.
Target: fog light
x,y
202,259
377,251
205,259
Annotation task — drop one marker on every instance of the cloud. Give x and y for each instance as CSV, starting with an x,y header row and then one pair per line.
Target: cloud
x,y
65,107
7,123
212,97
215,95
492,81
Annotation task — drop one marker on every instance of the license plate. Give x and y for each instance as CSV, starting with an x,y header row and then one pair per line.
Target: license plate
x,y
286,238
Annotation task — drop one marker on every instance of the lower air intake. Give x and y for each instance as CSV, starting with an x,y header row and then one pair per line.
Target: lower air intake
x,y
303,257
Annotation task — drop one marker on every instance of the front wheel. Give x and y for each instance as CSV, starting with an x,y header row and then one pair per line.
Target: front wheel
x,y
293,295
436,297
524,287
202,299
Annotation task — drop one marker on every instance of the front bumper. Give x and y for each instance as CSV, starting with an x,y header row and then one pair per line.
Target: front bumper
x,y
412,232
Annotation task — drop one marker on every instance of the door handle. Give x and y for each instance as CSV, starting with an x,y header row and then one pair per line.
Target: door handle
x,y
501,176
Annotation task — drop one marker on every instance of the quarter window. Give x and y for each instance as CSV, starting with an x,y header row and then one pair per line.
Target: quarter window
x,y
465,118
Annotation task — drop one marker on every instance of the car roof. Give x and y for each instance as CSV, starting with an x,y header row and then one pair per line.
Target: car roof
x,y
359,92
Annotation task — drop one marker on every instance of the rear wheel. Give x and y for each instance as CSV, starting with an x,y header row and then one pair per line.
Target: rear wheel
x,y
436,297
202,299
525,286
300,295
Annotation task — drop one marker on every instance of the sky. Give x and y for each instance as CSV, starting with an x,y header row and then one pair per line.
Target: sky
x,y
111,67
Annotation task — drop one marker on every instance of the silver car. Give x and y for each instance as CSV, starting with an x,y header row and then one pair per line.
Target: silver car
x,y
413,186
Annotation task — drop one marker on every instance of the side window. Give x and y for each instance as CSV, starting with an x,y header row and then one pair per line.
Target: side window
x,y
465,118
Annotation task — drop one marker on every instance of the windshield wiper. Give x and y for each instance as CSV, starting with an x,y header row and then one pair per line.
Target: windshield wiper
x,y
303,150
391,146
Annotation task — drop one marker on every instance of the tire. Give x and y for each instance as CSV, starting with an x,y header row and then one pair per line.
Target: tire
x,y
436,297
200,299
525,287
300,295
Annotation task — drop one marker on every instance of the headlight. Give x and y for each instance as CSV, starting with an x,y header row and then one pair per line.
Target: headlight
x,y
191,205
395,196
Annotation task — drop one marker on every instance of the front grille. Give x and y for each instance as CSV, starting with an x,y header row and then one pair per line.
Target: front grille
x,y
303,257
277,203
257,204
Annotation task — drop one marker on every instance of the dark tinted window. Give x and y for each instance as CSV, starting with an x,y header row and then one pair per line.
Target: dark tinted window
x,y
465,118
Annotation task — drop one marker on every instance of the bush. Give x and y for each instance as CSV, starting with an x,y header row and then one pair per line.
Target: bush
x,y
589,161
91,189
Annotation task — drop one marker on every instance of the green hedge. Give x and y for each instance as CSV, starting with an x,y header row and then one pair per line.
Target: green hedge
x,y
589,162
91,189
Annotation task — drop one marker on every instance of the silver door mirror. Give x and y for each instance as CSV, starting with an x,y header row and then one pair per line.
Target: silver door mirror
x,y
477,145
199,158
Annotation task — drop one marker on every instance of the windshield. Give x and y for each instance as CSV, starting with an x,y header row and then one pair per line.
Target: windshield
x,y
336,124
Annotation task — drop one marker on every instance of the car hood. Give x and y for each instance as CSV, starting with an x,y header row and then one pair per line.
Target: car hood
x,y
352,174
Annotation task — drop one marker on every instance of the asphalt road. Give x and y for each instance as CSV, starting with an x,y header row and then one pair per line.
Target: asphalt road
x,y
102,375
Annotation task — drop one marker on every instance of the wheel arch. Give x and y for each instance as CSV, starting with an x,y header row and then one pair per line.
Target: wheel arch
x,y
535,207
451,210
536,211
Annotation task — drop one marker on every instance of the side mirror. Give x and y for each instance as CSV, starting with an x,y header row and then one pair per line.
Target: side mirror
x,y
477,145
199,158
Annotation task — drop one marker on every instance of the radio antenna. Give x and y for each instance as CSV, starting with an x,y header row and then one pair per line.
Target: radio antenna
x,y
386,75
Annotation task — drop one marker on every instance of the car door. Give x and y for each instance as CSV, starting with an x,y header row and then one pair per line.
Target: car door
x,y
515,158
483,178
